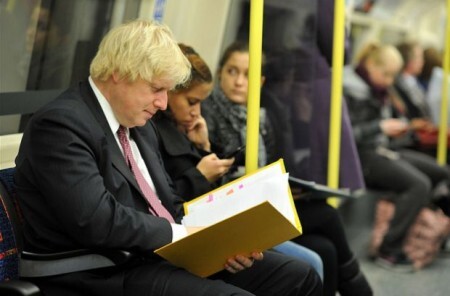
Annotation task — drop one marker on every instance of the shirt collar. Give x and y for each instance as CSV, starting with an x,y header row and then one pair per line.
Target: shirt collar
x,y
106,108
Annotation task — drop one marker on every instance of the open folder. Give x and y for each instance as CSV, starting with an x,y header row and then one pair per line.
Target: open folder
x,y
253,213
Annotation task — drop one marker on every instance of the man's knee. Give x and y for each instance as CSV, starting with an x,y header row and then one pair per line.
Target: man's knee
x,y
304,277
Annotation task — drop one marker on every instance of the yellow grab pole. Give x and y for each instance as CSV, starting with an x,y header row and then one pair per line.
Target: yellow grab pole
x,y
254,85
10,5
442,143
334,147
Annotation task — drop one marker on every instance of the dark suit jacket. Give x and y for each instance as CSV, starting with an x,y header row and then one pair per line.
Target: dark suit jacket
x,y
75,188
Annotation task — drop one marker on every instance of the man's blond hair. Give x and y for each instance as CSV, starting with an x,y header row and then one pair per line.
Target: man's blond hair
x,y
140,49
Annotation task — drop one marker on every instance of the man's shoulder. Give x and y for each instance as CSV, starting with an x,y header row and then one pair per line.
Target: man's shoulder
x,y
69,109
69,98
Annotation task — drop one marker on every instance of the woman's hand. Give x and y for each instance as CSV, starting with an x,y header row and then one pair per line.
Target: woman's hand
x,y
197,133
213,167
296,193
241,262
393,127
422,124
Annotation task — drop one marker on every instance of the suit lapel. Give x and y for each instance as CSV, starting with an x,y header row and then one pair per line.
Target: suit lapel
x,y
118,159
144,141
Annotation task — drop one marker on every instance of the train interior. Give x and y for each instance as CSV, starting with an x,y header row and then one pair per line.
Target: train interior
x,y
46,45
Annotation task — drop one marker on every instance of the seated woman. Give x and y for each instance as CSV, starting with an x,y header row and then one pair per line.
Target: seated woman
x,y
225,112
187,151
409,174
412,102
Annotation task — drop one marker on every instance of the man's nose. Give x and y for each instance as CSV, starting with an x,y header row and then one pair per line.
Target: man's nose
x,y
160,101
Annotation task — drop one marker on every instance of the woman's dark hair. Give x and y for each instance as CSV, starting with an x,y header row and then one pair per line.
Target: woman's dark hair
x,y
200,72
432,58
238,46
406,49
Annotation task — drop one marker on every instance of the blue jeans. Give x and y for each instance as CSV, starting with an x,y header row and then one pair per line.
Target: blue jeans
x,y
302,253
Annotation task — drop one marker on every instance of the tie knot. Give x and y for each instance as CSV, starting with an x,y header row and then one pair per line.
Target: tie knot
x,y
122,130
122,133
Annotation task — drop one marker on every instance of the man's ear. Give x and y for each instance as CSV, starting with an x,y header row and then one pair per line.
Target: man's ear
x,y
115,77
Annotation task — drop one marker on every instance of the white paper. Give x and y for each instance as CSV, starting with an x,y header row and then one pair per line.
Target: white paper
x,y
270,184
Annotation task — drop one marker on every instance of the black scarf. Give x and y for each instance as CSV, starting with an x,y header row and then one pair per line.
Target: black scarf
x,y
381,93
237,117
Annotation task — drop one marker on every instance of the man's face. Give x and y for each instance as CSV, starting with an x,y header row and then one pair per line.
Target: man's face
x,y
134,103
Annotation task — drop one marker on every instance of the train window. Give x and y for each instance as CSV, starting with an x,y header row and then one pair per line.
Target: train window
x,y
47,45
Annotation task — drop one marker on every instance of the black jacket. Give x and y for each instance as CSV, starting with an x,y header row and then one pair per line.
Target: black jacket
x,y
75,188
180,158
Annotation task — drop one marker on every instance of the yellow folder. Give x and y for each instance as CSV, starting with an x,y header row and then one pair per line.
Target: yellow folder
x,y
256,228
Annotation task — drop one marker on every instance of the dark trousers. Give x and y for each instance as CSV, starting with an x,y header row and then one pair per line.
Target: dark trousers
x,y
411,179
276,274
323,232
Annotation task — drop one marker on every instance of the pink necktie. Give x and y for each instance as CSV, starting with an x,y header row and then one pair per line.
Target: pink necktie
x,y
155,205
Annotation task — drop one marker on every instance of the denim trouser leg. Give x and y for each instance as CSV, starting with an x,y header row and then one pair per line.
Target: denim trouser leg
x,y
300,252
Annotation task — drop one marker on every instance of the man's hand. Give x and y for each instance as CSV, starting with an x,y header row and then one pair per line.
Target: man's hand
x,y
191,229
241,262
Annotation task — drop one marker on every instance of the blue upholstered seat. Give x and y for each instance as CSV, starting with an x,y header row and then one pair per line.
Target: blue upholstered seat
x,y
9,260
11,239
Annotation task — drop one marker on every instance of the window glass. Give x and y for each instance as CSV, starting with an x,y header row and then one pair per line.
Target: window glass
x,y
48,44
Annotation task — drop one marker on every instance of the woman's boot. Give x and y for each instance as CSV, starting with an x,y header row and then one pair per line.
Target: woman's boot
x,y
352,281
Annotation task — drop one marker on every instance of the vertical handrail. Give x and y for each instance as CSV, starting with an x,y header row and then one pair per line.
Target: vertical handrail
x,y
334,147
442,142
254,85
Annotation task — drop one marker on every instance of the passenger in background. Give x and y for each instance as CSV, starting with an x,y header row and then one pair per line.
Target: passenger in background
x,y
187,152
431,79
409,174
320,63
89,175
299,74
431,58
407,84
48,49
48,40
225,112
412,103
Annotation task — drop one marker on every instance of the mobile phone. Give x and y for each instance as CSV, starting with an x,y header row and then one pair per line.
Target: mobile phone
x,y
234,153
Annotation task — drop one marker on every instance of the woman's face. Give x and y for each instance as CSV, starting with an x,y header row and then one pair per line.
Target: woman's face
x,y
382,75
234,77
185,104
415,64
